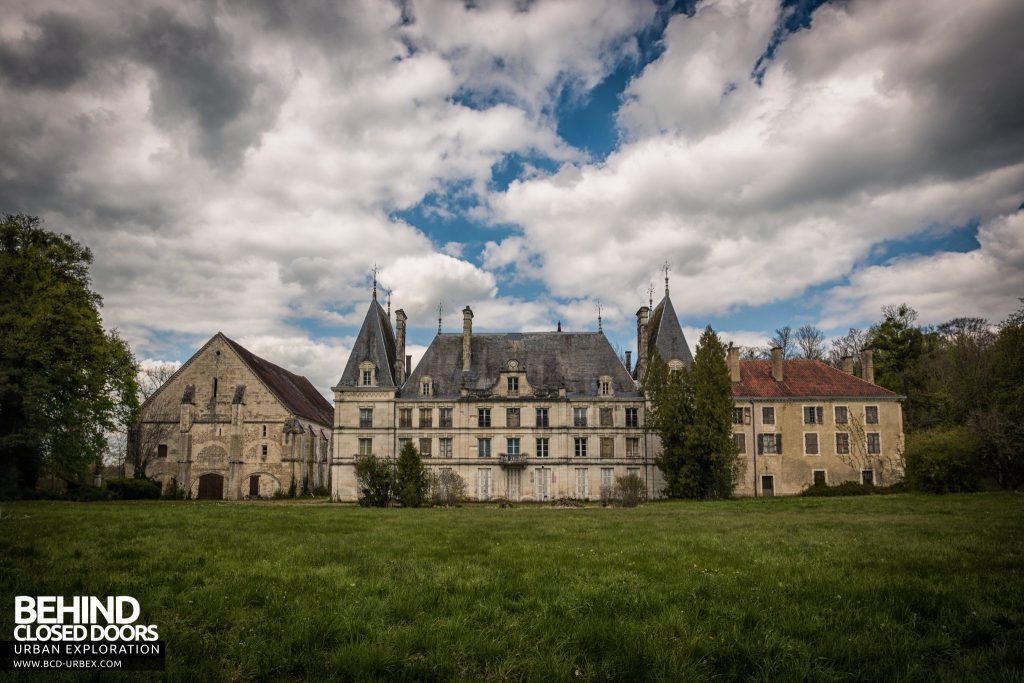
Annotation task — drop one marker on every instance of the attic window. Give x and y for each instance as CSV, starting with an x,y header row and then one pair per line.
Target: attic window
x,y
426,387
675,365
604,385
513,386
367,374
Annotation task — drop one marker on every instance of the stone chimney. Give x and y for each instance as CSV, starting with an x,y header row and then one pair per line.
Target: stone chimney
x,y
867,366
777,364
467,337
408,363
848,365
734,363
641,340
400,365
629,361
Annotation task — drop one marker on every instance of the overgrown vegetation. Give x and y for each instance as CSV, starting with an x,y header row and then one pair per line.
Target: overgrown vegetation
x,y
878,588
411,478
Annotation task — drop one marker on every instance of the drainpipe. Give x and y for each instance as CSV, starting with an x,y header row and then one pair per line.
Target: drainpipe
x,y
753,442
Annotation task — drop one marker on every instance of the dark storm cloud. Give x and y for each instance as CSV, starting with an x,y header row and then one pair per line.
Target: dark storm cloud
x,y
54,59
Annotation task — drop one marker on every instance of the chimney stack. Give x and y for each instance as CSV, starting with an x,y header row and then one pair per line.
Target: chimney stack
x,y
734,363
777,364
629,361
848,365
408,362
400,363
641,340
467,336
867,366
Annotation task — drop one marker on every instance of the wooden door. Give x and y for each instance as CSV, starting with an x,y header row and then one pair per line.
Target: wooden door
x,y
768,485
254,486
211,487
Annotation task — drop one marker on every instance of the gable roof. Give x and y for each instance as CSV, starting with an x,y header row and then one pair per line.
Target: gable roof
x,y
666,334
375,343
295,392
802,378
551,360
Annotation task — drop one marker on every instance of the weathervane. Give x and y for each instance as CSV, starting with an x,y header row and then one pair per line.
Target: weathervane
x,y
650,295
440,310
665,268
375,270
389,302
599,328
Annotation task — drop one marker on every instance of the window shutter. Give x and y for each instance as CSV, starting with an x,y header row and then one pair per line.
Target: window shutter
x,y
821,415
760,444
746,416
778,443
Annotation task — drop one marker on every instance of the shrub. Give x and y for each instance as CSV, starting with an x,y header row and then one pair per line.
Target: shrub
x,y
321,491
134,489
280,494
852,488
943,460
446,488
630,490
173,491
376,480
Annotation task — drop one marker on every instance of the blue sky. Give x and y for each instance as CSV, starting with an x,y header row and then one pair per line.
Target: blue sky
x,y
242,168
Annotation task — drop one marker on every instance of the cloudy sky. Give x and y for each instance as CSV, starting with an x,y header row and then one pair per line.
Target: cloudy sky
x,y
240,166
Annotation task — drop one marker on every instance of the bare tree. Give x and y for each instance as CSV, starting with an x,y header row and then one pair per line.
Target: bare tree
x,y
144,438
754,352
850,344
153,375
811,342
783,339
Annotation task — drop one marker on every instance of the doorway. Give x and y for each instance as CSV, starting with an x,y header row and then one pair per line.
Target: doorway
x,y
768,485
211,487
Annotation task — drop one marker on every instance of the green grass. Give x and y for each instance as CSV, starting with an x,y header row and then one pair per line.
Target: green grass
x,y
873,588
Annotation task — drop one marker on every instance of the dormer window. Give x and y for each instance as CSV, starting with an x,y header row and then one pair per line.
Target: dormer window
x,y
513,386
426,387
675,365
367,374
604,385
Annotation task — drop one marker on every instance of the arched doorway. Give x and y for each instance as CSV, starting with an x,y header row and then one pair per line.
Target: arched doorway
x,y
211,487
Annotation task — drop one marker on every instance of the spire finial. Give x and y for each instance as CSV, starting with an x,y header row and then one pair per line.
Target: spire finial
x,y
389,303
440,311
665,268
650,295
375,270
599,328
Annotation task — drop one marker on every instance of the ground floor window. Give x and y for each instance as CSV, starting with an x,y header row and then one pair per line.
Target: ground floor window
x,y
483,483
581,483
819,477
542,478
867,477
607,480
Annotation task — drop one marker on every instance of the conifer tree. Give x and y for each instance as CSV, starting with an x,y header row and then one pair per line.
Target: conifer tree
x,y
412,480
670,416
711,441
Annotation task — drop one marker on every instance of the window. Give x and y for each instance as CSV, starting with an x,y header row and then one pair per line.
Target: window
x,y
579,417
365,418
810,444
607,447
367,378
365,446
512,417
819,477
426,418
768,415
606,388
580,446
215,387
842,415
161,450
542,417
483,448
512,446
740,439
871,415
263,451
606,417
737,416
581,483
403,441
632,417
264,431
814,415
769,443
633,472
426,448
444,417
867,477
607,478
426,387
483,483
513,386
874,443
444,447
632,447
542,448
842,443
483,417
405,417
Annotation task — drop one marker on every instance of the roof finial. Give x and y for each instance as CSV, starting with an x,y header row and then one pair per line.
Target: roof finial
x,y
389,303
559,325
599,328
665,268
440,310
650,295
375,270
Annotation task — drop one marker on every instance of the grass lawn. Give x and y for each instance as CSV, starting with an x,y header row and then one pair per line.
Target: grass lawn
x,y
872,588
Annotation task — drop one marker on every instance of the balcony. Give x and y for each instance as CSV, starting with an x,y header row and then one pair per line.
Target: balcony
x,y
512,459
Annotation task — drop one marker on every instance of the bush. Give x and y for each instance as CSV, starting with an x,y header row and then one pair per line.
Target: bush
x,y
376,481
851,488
134,489
174,491
446,488
630,490
943,460
321,491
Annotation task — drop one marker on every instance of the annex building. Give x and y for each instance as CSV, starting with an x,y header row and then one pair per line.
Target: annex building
x,y
229,424
534,416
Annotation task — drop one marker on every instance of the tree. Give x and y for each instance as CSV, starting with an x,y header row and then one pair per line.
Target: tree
x,y
447,488
65,383
783,339
670,416
412,481
376,480
898,346
850,344
811,342
711,438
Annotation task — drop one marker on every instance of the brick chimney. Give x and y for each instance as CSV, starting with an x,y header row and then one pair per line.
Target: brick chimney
x,y
629,361
400,366
467,337
848,365
641,340
734,363
867,366
777,364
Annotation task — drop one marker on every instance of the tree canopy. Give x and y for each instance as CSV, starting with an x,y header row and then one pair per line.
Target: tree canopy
x,y
65,382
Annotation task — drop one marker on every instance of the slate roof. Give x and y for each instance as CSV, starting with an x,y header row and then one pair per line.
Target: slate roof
x,y
551,360
805,379
295,392
375,343
666,334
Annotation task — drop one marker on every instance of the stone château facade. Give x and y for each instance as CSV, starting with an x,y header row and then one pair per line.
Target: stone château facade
x,y
229,424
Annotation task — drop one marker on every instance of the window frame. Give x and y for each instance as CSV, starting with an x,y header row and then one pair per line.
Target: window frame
x,y
513,417
877,414
845,450
543,445
365,446
483,447
513,445
542,417
366,418
579,416
846,416
579,447
878,443
765,412
817,443
632,416
483,417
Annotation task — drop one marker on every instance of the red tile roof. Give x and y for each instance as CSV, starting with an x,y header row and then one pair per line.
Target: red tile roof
x,y
802,378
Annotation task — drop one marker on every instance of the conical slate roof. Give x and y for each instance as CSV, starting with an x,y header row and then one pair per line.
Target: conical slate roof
x,y
666,334
375,343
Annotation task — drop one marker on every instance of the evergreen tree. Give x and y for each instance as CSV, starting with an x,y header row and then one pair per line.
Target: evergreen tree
x,y
412,480
670,416
711,443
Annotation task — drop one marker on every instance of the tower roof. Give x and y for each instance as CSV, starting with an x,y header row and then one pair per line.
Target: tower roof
x,y
376,344
666,334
